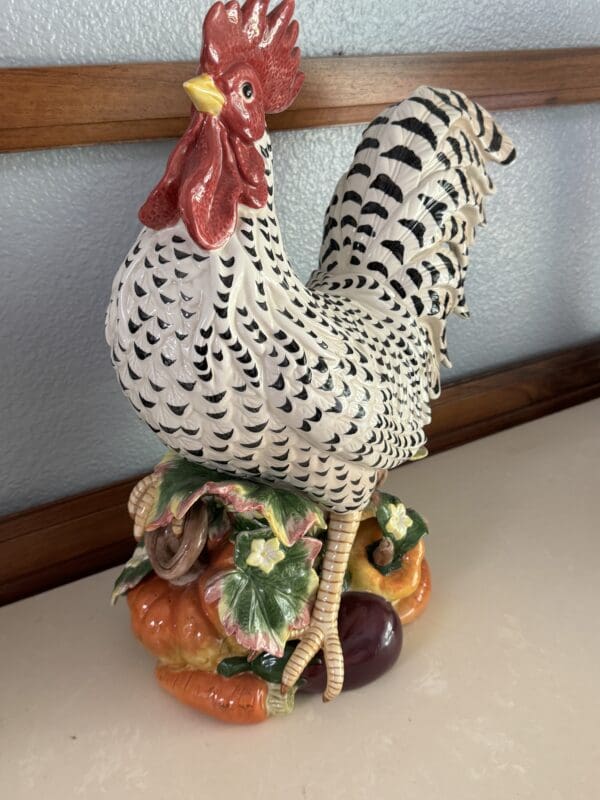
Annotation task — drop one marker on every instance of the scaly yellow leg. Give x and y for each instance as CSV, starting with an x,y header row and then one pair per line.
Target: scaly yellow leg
x,y
140,504
322,632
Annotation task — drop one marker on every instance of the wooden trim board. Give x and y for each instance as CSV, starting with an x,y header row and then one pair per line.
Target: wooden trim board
x,y
86,104
60,542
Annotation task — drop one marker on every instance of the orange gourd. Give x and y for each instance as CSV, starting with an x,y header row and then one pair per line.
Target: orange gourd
x,y
400,583
171,623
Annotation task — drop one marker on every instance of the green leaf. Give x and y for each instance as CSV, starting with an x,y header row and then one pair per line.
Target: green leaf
x,y
220,524
182,483
261,608
290,515
385,508
179,481
241,522
415,532
134,571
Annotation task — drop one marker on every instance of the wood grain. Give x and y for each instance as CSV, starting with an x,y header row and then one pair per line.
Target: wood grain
x,y
75,537
75,105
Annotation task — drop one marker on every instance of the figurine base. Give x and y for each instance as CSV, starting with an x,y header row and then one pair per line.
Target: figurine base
x,y
203,667
222,585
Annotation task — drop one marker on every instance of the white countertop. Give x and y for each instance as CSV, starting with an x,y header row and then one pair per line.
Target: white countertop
x,y
496,694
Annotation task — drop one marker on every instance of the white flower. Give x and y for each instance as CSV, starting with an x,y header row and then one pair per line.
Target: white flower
x,y
399,521
264,554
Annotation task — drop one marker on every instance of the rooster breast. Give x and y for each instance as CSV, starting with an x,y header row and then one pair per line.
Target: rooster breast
x,y
234,363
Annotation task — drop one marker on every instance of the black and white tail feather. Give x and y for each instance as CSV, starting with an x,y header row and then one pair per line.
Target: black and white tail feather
x,y
407,210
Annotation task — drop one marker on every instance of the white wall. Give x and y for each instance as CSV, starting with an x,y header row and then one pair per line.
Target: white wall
x,y
67,217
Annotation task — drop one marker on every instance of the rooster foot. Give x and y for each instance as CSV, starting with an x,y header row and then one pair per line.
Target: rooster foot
x,y
316,637
140,504
322,632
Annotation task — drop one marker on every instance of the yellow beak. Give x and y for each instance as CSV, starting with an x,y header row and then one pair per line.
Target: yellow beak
x,y
204,94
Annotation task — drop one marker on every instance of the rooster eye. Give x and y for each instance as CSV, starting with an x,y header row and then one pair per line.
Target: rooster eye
x,y
247,91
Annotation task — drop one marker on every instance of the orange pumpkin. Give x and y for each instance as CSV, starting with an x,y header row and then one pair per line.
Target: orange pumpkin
x,y
171,623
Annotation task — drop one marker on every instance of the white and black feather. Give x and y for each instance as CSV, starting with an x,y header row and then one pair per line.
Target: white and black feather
x,y
235,363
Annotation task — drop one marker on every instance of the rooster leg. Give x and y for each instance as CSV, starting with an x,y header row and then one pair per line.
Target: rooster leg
x,y
322,632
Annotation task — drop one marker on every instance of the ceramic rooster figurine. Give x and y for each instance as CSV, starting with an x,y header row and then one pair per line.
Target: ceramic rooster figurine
x,y
239,366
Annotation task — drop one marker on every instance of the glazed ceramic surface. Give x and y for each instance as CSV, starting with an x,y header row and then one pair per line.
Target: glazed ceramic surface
x,y
233,362
262,386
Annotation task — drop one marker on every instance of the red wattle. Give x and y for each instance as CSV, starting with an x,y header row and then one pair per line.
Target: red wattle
x,y
209,172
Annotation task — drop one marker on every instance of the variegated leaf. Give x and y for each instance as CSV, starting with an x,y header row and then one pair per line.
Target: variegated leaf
x,y
134,571
182,483
269,592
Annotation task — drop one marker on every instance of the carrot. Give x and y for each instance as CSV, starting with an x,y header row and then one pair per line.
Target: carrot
x,y
241,700
413,606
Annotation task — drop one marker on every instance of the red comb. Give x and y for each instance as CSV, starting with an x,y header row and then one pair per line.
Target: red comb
x,y
247,34
212,170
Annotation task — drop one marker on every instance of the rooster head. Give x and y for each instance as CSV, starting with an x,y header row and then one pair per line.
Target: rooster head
x,y
248,68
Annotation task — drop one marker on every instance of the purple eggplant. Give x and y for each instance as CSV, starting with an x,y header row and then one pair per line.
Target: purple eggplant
x,y
371,638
